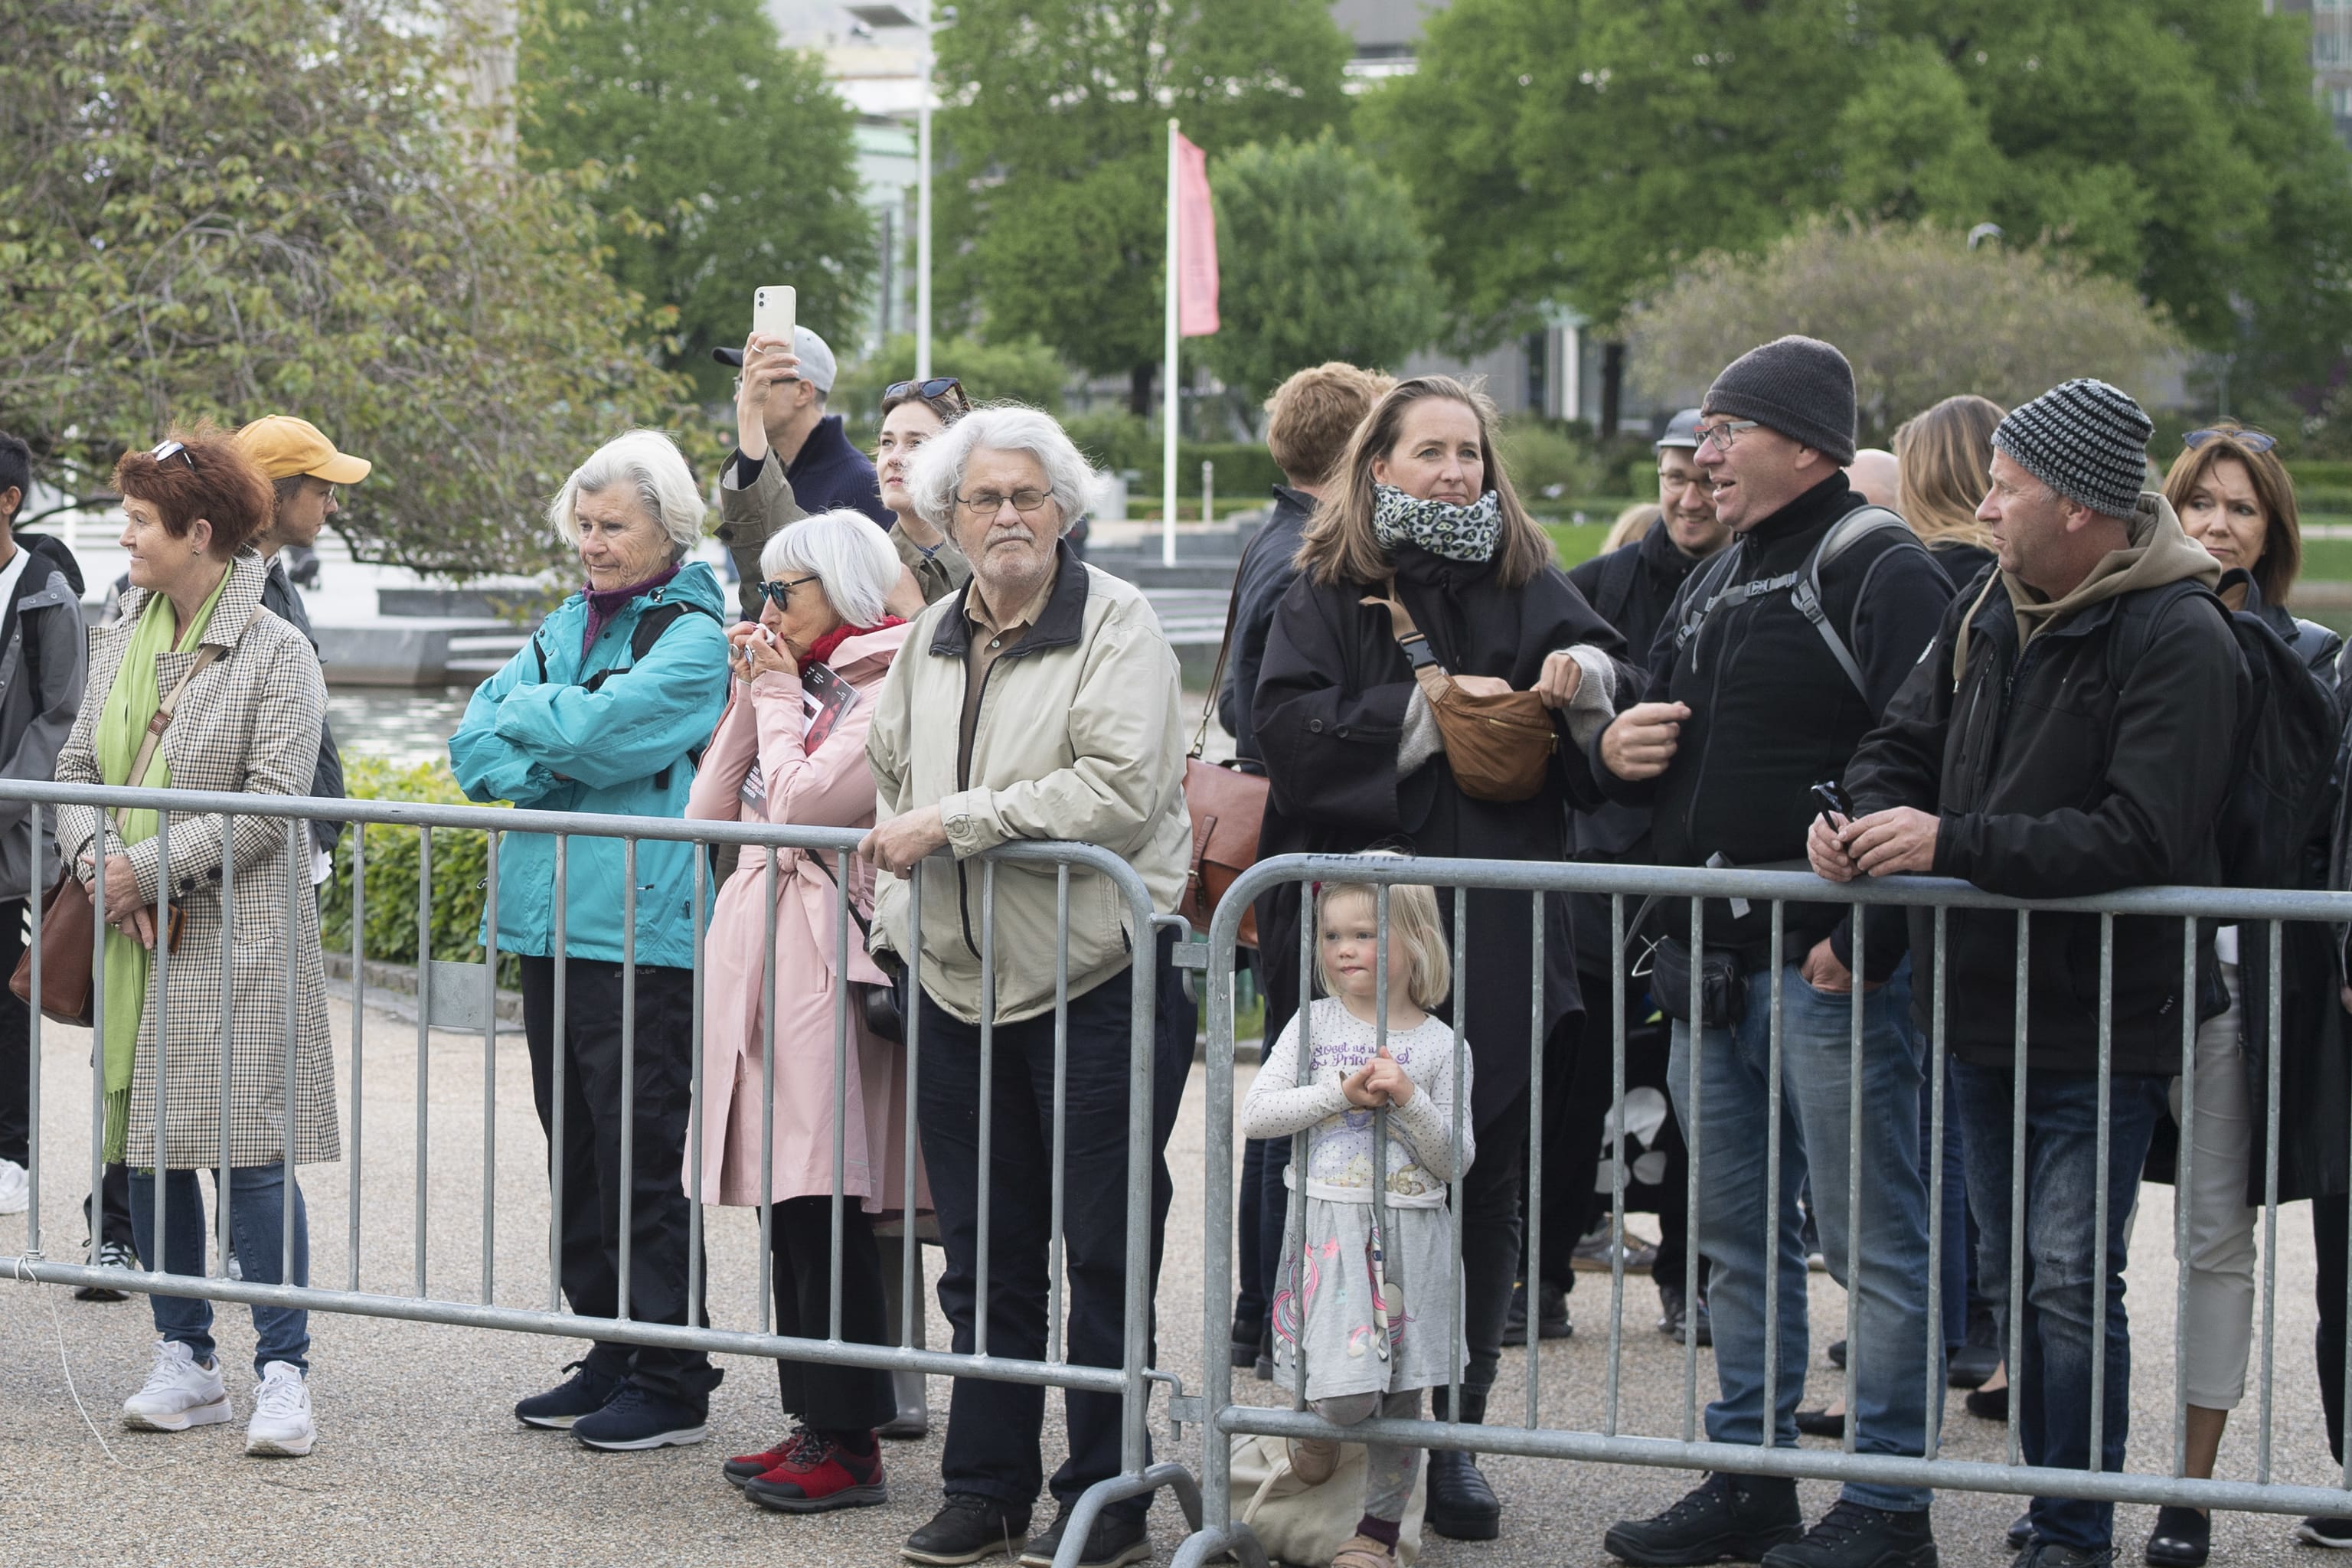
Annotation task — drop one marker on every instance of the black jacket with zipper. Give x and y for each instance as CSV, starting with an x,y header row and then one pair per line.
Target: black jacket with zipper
x,y
2053,780
1771,712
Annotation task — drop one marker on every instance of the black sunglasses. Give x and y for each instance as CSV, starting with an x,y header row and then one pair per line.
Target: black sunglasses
x,y
2252,441
938,386
165,449
779,591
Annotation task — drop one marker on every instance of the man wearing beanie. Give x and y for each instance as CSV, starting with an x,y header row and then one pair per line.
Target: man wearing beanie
x,y
2058,741
1754,700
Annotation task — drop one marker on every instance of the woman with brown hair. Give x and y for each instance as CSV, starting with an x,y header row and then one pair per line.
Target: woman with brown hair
x,y
1943,467
1421,518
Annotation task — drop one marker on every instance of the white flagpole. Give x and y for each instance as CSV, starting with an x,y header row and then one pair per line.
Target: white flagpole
x,y
1168,378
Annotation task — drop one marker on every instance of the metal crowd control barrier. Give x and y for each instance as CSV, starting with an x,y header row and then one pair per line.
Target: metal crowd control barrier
x,y
1131,1380
1221,1417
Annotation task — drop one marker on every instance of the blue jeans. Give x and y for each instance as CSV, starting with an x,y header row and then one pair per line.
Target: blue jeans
x,y
1735,1213
257,1198
2051,1382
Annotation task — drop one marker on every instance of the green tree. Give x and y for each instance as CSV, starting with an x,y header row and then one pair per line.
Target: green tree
x,y
1581,151
223,208
723,162
1920,314
1055,152
1021,370
1318,260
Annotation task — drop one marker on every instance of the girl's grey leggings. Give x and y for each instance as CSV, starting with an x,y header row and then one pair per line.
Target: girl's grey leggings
x,y
1389,1471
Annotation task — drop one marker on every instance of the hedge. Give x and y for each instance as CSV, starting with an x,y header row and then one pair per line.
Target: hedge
x,y
460,864
1118,441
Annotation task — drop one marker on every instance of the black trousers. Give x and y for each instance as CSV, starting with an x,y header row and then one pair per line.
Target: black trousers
x,y
590,1157
15,1043
1576,1109
800,1254
993,1428
2328,1216
1490,1228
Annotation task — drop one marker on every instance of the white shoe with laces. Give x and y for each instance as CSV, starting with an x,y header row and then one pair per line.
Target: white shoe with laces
x,y
282,1424
178,1394
15,1188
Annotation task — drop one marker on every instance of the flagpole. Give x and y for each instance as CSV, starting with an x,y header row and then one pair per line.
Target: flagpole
x,y
1168,378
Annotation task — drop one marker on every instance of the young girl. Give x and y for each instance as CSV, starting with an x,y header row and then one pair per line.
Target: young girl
x,y
1377,1326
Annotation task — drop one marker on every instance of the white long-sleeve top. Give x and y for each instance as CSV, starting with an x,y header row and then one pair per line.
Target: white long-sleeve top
x,y
1340,1145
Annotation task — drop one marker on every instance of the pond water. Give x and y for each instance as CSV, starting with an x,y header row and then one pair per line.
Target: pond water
x,y
397,724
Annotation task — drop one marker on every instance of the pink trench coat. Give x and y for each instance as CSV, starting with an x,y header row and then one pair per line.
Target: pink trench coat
x,y
830,787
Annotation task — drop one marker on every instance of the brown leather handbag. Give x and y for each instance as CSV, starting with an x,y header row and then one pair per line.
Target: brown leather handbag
x,y
69,921
1228,809
1499,746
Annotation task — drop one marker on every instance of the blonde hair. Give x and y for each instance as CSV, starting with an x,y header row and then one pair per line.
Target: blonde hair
x,y
1943,467
1412,915
1634,522
1339,546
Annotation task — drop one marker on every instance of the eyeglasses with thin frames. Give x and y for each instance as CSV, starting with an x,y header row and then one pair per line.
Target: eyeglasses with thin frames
x,y
1719,437
988,503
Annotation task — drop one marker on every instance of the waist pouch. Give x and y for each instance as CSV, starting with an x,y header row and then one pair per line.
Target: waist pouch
x,y
1723,990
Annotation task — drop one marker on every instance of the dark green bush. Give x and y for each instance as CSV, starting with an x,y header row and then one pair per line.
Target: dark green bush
x,y
460,864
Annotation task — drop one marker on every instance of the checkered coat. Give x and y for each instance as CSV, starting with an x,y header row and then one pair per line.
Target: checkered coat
x,y
249,723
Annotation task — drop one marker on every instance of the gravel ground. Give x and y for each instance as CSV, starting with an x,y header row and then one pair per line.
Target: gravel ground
x,y
419,1460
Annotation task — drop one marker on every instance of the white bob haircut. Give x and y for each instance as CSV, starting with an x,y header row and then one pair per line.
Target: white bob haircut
x,y
939,469
647,463
850,557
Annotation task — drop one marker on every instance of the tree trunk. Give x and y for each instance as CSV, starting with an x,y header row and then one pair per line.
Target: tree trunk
x,y
1140,382
1612,387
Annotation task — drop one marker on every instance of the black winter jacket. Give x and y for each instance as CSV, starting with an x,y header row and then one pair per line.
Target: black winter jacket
x,y
1771,713
2052,781
1263,576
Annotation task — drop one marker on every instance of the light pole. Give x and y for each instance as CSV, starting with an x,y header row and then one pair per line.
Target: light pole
x,y
927,25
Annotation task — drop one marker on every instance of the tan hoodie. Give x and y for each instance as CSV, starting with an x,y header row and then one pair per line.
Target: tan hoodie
x,y
2160,553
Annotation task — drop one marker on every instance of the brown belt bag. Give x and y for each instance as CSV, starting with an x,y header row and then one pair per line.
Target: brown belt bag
x,y
1499,746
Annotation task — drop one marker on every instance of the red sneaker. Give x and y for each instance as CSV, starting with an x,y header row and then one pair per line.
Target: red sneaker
x,y
743,1467
820,1475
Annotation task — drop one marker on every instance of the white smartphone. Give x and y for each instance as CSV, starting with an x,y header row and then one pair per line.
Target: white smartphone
x,y
773,308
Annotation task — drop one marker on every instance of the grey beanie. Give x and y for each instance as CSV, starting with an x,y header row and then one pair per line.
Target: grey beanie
x,y
2084,439
1802,387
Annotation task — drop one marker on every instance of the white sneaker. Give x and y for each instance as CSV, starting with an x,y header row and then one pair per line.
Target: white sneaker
x,y
179,1394
281,1423
15,1188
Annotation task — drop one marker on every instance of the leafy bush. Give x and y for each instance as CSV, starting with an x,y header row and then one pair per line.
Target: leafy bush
x,y
460,866
1546,463
1116,440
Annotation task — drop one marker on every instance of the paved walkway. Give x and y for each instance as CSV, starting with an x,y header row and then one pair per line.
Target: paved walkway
x,y
418,1461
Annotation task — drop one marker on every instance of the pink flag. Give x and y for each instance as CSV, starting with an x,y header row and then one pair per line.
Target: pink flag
x,y
1196,222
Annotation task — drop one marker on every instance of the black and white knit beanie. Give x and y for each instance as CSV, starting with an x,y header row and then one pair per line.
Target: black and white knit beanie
x,y
2086,440
1802,387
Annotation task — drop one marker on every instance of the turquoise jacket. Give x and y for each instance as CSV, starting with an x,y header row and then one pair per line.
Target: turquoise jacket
x,y
627,748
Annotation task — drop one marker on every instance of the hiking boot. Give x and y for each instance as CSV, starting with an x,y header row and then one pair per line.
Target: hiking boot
x,y
638,1418
1728,1518
821,1475
178,1393
1462,1506
969,1528
1853,1536
282,1426
1111,1543
1551,1314
584,1393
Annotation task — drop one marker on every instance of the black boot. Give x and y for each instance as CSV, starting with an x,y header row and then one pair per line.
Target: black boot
x,y
1729,1518
1462,1506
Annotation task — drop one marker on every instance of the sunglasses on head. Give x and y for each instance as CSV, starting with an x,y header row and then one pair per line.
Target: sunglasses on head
x,y
936,387
2252,441
165,449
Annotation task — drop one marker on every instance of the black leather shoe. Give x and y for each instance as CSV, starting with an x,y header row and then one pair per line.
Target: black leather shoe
x,y
1821,1423
1988,1404
1837,1353
1853,1536
1111,1543
2183,1538
1971,1364
2020,1532
969,1528
1728,1518
1462,1506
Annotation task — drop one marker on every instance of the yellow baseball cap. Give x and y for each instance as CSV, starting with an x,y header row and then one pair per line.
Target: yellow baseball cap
x,y
284,446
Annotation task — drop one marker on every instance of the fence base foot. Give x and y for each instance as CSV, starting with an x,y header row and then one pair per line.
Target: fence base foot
x,y
1099,1496
1235,1542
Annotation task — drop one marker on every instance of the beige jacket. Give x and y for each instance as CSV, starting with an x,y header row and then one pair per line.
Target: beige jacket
x,y
748,518
1079,736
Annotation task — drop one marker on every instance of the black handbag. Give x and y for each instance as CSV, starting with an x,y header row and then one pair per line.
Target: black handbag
x,y
1722,992
877,1005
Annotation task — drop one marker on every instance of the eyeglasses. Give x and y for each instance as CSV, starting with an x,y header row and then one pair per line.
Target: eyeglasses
x,y
779,591
1719,435
2252,441
988,503
936,387
1671,482
165,449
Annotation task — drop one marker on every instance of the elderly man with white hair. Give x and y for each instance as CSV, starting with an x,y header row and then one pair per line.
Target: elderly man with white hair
x,y
603,711
1040,701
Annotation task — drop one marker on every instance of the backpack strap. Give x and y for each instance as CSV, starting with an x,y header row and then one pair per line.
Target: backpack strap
x,y
1614,588
1843,536
2136,616
648,631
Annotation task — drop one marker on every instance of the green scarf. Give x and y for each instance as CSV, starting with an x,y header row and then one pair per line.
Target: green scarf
x,y
122,722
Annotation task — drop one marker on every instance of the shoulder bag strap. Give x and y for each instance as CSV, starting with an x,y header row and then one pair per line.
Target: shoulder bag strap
x,y
816,858
1217,676
162,721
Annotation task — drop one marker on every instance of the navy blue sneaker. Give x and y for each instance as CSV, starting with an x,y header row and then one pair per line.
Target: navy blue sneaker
x,y
584,1393
635,1419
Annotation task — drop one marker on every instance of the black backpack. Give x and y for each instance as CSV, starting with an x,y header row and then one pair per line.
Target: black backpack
x,y
641,638
1803,585
2284,792
1613,586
